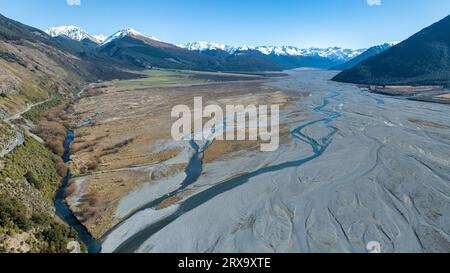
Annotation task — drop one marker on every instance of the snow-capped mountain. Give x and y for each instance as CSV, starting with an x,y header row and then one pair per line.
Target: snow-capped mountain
x,y
78,34
74,33
101,38
270,57
386,45
126,32
203,46
333,53
375,50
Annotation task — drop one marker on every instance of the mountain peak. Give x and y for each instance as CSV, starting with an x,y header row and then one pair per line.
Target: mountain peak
x,y
127,32
72,32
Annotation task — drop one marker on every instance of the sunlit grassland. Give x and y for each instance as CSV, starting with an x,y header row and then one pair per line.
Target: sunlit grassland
x,y
173,77
160,77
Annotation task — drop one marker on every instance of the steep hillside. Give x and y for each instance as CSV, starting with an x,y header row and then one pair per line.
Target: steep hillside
x,y
28,179
144,53
423,59
34,66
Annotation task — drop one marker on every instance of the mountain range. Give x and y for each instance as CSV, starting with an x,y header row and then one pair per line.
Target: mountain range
x,y
333,53
422,59
35,63
133,48
375,50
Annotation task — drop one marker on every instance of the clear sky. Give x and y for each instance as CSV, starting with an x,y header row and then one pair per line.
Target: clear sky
x,y
304,23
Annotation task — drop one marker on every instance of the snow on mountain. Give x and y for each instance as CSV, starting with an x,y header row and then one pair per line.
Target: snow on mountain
x,y
244,48
202,46
126,32
280,50
101,38
73,32
334,53
387,45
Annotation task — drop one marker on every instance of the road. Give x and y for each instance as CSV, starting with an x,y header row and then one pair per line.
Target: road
x,y
28,108
20,138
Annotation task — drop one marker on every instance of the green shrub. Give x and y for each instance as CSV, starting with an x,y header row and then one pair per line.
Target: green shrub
x,y
33,181
56,238
35,114
41,219
13,214
35,163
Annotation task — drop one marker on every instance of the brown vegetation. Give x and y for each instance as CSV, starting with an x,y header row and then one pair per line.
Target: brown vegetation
x,y
115,148
60,166
92,92
429,123
87,209
52,129
71,188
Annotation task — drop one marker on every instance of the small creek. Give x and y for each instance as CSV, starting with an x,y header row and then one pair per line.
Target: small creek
x,y
62,208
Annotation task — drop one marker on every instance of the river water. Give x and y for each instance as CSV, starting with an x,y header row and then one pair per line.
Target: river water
x,y
63,209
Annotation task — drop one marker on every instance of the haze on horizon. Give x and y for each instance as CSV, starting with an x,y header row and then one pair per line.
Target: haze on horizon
x,y
305,23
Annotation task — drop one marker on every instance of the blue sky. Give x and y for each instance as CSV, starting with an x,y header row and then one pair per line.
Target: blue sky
x,y
304,23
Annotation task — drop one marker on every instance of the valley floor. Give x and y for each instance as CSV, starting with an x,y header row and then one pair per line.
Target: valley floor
x,y
123,154
356,168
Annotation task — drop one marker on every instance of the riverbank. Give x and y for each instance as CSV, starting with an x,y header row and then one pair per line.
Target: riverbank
x,y
62,208
434,94
40,118
29,178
